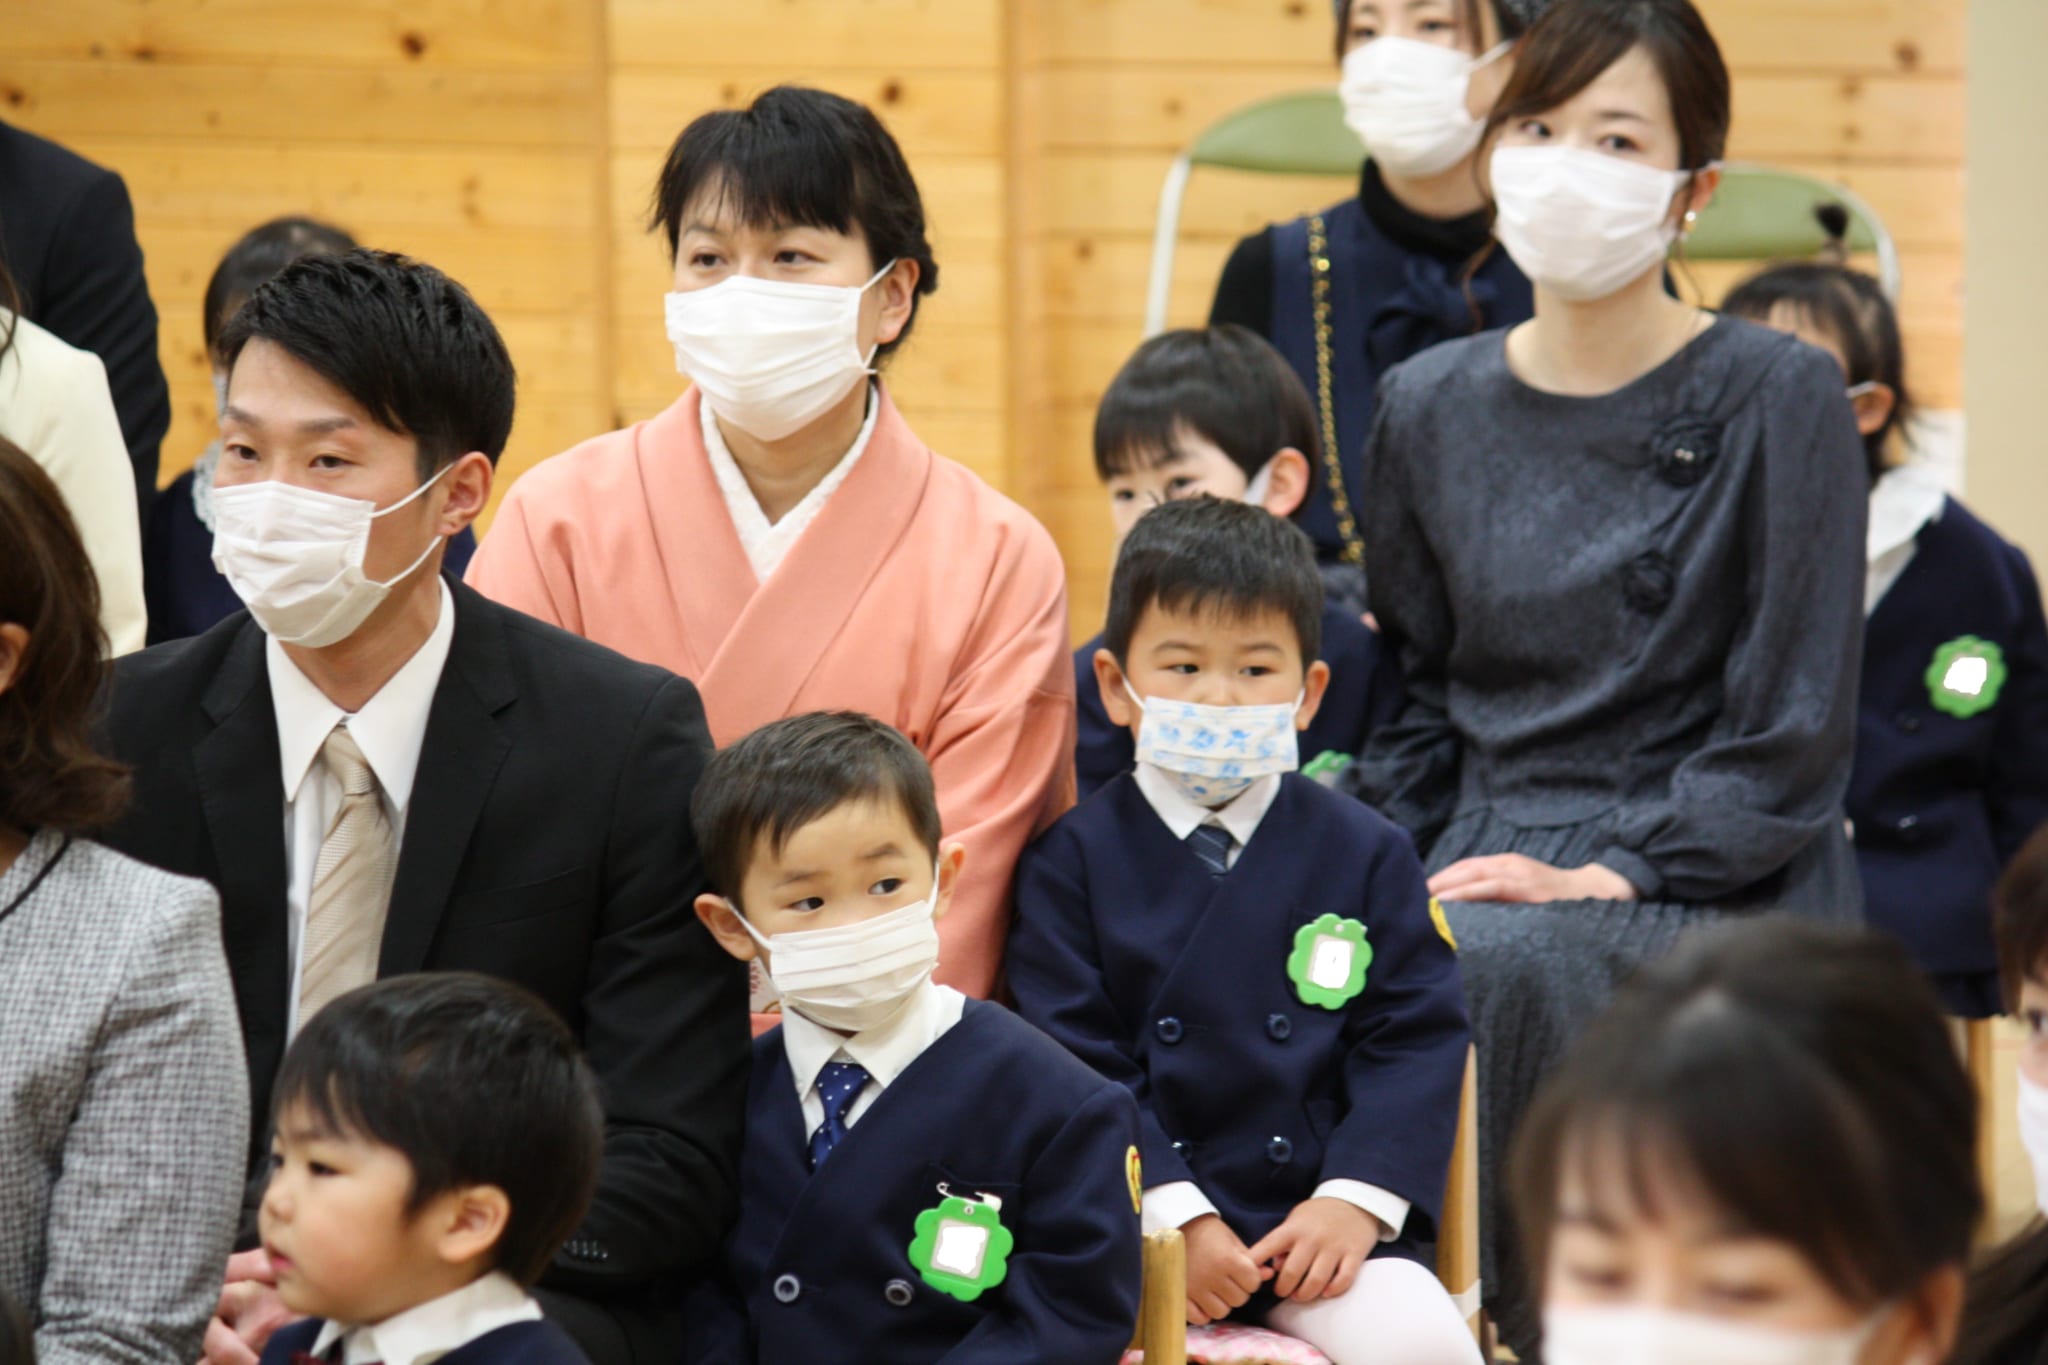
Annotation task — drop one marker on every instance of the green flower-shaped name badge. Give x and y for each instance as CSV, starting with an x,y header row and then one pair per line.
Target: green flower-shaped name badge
x,y
1965,676
962,1247
1329,960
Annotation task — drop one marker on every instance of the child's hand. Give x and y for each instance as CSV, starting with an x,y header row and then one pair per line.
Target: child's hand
x,y
1221,1274
1317,1251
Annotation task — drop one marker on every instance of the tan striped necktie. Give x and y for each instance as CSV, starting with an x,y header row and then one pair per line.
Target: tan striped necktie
x,y
351,884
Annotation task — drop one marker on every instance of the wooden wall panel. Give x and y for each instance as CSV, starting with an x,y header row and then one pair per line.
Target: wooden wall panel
x,y
1865,92
469,135
932,71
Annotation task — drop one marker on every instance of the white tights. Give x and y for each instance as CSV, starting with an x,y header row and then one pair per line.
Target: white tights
x,y
1395,1313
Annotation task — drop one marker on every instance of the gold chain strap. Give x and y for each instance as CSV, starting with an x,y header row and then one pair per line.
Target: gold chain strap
x,y
1333,468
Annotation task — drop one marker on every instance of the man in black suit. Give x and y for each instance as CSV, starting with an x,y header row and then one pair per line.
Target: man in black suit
x,y
382,772
67,233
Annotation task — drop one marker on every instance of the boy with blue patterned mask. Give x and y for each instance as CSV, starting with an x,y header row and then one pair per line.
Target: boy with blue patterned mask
x,y
1213,678
1255,955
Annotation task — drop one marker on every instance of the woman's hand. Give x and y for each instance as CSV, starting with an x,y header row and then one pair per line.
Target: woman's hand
x,y
1513,877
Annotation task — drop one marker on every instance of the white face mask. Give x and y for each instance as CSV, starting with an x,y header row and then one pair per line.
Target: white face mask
x,y
853,976
295,557
1406,101
2033,1117
1212,753
770,356
1654,1336
1579,223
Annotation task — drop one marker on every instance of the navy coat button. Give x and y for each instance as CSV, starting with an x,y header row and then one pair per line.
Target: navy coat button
x,y
1279,1151
1278,1026
1169,1030
1183,1148
787,1287
1908,824
1908,722
899,1293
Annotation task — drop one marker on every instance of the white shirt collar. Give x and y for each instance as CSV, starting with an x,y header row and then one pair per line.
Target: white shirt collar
x,y
389,728
884,1051
436,1327
766,543
1240,815
1903,500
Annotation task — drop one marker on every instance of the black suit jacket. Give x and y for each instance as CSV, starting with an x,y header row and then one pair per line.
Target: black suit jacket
x,y
67,232
547,842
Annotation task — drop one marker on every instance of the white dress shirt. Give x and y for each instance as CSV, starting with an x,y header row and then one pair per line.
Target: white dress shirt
x,y
424,1333
765,541
884,1051
389,729
1902,501
1179,1202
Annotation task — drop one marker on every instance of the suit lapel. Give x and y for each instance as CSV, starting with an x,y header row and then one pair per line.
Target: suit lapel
x,y
463,749
709,576
241,797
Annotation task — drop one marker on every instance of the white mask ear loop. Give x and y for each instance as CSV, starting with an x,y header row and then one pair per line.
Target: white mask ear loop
x,y
868,361
430,544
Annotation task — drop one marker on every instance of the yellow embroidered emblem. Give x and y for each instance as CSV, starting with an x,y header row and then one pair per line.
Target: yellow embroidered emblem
x,y
1131,1170
1443,926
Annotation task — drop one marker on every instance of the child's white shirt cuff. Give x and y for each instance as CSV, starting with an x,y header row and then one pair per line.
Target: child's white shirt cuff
x,y
1179,1202
1174,1204
1390,1208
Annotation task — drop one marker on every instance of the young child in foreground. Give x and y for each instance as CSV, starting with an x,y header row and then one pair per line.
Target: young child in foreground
x,y
1255,956
1217,410
926,1177
1951,771
437,1137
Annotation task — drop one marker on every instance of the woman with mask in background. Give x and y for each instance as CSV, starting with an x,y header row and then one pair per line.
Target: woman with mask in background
x,y
2006,1316
1763,1154
1619,551
780,534
1348,293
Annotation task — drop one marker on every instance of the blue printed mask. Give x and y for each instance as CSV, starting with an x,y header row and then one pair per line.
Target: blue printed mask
x,y
1212,753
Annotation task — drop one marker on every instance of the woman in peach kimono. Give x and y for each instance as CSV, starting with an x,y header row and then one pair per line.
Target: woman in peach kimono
x,y
779,534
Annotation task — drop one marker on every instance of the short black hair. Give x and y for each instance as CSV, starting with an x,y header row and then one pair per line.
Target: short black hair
x,y
1800,1077
1225,384
798,157
260,254
792,771
1211,555
1512,17
1850,309
475,1082
396,335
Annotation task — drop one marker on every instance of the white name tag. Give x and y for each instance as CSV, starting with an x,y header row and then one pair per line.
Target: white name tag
x,y
1330,968
961,1249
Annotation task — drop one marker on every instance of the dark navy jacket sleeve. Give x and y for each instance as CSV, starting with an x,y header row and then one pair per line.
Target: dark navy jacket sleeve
x,y
1102,748
2017,791
1404,1070
1074,1280
1058,981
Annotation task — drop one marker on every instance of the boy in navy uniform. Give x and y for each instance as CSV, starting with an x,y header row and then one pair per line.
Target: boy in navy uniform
x,y
926,1177
437,1138
1951,771
1217,410
1256,957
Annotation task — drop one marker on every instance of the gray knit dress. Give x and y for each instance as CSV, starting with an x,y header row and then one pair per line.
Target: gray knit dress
x,y
1630,627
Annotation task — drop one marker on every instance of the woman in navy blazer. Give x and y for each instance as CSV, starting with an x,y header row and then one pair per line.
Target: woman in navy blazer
x,y
1951,771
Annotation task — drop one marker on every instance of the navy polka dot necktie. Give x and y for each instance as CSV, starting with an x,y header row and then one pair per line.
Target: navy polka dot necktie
x,y
1211,844
839,1084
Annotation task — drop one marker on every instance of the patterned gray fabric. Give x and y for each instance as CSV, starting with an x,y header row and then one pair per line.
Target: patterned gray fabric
x,y
123,1107
1630,628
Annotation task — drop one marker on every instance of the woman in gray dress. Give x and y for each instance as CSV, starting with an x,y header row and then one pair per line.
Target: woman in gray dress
x,y
1620,551
123,1097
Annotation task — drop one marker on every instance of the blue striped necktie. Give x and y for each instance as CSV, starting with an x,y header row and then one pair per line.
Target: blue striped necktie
x,y
1211,844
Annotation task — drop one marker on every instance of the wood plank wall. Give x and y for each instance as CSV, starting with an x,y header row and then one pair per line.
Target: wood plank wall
x,y
515,143
471,135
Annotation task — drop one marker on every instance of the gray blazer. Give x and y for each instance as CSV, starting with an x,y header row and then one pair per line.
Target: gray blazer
x,y
123,1106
